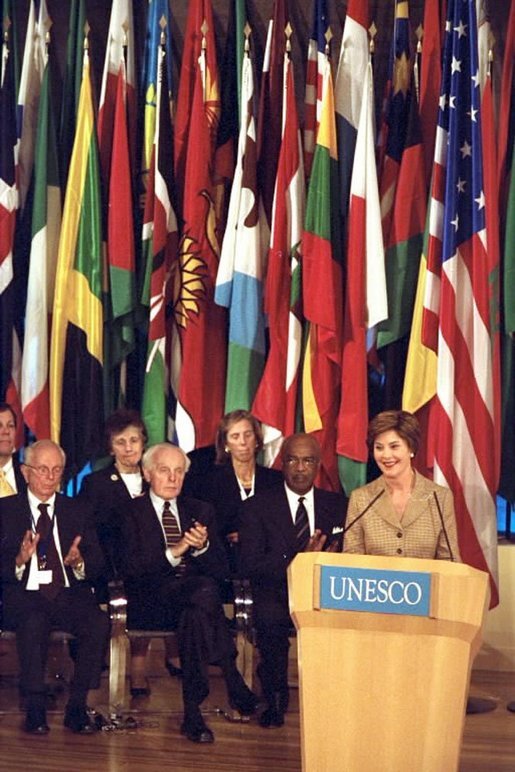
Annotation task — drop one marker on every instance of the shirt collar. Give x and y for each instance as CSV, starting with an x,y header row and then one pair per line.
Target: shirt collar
x,y
158,502
7,467
293,498
34,502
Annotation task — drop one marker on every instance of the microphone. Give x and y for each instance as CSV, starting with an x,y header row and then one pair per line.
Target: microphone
x,y
370,503
443,526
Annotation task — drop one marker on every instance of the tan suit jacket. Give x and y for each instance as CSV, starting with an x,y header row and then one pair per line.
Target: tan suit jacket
x,y
418,535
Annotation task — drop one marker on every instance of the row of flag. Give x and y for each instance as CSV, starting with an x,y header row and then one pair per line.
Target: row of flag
x,y
312,274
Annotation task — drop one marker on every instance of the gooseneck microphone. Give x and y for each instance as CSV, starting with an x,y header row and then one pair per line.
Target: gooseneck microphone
x,y
443,526
370,504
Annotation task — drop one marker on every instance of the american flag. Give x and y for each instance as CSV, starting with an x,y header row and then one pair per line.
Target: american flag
x,y
458,305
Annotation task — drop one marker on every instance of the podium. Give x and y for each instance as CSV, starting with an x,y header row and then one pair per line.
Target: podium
x,y
384,692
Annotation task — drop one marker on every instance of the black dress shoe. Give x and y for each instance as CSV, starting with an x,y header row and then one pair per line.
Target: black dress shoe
x,y
271,717
175,672
197,731
141,691
35,721
78,721
243,700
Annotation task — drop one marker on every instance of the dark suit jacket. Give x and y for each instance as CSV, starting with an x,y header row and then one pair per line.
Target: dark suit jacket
x,y
147,567
268,541
221,488
21,485
108,497
73,518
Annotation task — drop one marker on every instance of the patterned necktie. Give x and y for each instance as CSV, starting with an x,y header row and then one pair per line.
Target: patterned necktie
x,y
302,525
6,489
172,532
48,557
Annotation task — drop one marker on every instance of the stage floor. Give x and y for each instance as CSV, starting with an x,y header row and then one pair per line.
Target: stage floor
x,y
156,743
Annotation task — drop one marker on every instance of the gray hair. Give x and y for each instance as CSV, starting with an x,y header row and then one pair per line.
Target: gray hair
x,y
147,460
41,445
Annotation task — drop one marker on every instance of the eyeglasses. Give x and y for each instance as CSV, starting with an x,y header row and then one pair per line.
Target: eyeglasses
x,y
309,461
127,442
45,471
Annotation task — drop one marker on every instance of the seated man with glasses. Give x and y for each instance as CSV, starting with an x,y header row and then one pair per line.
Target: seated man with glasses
x,y
276,524
49,554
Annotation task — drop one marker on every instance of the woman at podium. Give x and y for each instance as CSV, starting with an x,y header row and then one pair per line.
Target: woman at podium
x,y
401,513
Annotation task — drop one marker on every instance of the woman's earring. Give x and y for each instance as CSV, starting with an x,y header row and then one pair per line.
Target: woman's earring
x,y
226,450
412,455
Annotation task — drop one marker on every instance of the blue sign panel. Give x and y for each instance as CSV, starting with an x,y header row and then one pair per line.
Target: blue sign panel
x,y
375,590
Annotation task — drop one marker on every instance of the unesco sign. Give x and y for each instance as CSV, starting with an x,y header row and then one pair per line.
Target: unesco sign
x,y
375,590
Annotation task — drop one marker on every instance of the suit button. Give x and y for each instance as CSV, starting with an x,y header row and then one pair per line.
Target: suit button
x,y
399,535
399,551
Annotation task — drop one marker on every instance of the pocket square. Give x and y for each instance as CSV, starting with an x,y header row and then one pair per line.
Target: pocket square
x,y
337,529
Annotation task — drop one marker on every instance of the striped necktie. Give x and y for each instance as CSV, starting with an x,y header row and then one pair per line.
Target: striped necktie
x,y
6,489
172,532
302,525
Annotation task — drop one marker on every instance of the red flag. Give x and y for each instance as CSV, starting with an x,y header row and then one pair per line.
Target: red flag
x,y
120,46
430,76
365,296
322,291
200,12
202,323
269,121
276,399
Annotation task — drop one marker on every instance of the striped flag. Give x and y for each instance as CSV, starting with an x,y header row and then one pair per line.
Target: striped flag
x,y
160,241
157,10
121,298
275,404
240,272
350,78
365,296
313,93
77,326
120,48
46,224
116,131
458,307
33,65
404,241
322,291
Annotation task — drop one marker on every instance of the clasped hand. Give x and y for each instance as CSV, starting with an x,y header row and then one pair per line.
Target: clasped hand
x,y
194,538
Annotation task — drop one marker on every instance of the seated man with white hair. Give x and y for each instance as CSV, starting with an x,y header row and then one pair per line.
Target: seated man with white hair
x,y
175,562
49,556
